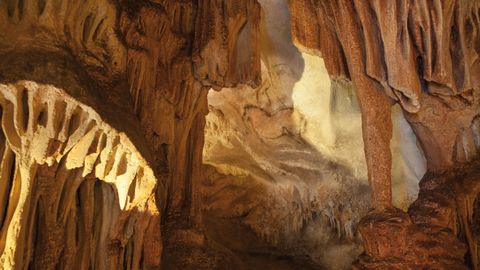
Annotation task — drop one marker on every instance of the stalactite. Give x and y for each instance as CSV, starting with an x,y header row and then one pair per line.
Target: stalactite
x,y
423,55
86,29
226,47
163,81
70,181
105,194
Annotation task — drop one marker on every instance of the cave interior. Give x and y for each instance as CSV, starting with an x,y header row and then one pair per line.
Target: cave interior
x,y
240,134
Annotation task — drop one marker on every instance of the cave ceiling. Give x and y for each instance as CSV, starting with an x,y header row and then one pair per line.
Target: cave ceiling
x,y
253,134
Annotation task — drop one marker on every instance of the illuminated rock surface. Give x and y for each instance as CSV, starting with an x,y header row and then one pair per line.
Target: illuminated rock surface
x,y
289,155
423,55
253,134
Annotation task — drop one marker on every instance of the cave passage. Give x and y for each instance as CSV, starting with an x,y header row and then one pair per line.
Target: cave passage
x,y
253,134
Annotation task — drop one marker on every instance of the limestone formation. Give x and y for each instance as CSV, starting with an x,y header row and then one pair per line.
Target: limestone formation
x,y
422,54
286,156
226,49
70,181
109,160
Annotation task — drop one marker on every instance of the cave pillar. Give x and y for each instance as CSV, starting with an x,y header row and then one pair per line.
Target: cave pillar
x,y
419,55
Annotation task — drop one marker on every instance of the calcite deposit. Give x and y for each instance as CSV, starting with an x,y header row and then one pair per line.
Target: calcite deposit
x,y
288,154
423,55
71,180
252,134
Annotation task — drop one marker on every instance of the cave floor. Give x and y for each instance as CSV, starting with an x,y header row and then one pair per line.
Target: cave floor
x,y
226,244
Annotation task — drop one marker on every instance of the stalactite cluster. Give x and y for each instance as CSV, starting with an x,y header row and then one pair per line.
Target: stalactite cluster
x,y
86,29
167,45
425,56
70,181
226,47
146,56
103,108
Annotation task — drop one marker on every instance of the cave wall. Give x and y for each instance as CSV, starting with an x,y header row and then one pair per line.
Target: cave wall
x,y
71,179
288,157
76,170
132,65
104,106
423,56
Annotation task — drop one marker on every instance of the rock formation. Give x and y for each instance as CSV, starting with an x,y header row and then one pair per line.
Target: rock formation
x,y
286,156
424,55
109,160
71,179
129,64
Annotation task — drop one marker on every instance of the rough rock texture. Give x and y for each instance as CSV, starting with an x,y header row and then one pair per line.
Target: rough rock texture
x,y
103,106
424,55
166,97
78,186
290,171
162,40
71,179
86,30
226,50
428,236
176,51
133,63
